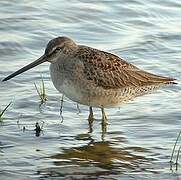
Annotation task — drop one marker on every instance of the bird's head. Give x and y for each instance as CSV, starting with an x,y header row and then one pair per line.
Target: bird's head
x,y
57,49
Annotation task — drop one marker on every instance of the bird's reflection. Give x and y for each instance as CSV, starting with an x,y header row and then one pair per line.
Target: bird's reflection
x,y
96,159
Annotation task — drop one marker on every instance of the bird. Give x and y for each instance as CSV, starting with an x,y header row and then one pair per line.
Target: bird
x,y
93,77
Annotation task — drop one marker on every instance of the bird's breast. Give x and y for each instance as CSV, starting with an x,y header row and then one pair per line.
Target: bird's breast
x,y
56,73
64,81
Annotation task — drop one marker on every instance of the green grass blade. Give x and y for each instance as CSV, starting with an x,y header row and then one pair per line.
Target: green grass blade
x,y
37,90
41,91
177,158
4,110
43,87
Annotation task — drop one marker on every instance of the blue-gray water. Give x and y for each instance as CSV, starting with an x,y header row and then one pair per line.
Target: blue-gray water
x,y
140,134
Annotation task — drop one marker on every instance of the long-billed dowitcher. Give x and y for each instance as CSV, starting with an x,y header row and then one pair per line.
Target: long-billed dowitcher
x,y
93,77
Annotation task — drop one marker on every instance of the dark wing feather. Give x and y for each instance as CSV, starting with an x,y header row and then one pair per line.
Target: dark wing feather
x,y
111,72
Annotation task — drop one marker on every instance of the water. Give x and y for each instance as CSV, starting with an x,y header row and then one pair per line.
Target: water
x,y
140,134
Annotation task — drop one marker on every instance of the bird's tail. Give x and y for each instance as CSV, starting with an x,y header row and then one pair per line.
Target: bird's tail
x,y
156,79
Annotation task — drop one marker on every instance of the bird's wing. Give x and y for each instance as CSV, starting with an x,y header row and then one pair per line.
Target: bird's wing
x,y
110,72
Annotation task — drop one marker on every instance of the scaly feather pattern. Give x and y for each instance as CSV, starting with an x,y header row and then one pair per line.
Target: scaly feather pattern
x,y
111,72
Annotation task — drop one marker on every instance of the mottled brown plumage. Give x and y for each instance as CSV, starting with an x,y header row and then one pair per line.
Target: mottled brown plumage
x,y
111,72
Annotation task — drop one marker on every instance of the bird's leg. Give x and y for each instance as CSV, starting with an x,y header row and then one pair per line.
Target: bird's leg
x,y
104,122
90,118
104,117
91,115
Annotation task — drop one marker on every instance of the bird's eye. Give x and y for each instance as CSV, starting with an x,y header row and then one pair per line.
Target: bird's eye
x,y
58,49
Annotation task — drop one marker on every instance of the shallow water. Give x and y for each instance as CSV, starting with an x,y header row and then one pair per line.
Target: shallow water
x,y
140,134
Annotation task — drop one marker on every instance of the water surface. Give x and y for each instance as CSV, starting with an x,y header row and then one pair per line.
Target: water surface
x,y
140,134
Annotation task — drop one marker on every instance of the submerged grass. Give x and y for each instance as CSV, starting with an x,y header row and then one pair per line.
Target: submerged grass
x,y
61,107
38,129
41,92
178,152
4,110
78,109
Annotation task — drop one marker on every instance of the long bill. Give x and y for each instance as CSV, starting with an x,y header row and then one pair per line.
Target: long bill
x,y
41,60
